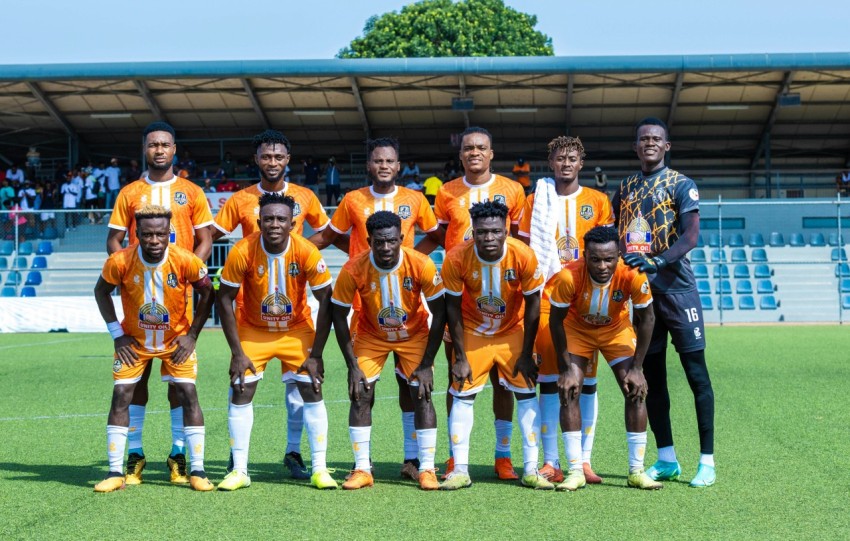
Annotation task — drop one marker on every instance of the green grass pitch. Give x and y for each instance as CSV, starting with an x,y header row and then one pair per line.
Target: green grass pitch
x,y
781,448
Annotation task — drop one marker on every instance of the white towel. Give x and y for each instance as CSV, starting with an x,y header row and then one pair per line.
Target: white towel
x,y
544,225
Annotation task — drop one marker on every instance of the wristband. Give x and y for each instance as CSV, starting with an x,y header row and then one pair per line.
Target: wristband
x,y
115,330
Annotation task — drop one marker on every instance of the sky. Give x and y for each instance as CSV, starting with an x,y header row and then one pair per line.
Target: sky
x,y
57,31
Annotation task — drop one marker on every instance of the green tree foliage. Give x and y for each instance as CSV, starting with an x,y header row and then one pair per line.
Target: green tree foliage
x,y
444,28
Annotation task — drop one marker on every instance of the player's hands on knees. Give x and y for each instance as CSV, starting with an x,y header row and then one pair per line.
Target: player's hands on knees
x,y
185,347
634,385
315,368
239,364
569,384
124,350
425,376
356,378
461,372
526,366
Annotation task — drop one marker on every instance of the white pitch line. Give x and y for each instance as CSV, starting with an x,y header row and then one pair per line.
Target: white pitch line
x,y
42,343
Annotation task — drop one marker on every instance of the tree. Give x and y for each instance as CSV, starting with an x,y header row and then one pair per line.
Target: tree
x,y
444,28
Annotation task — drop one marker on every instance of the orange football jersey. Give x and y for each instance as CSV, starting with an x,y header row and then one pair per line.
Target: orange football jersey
x,y
492,292
274,286
154,297
392,307
186,200
456,197
243,209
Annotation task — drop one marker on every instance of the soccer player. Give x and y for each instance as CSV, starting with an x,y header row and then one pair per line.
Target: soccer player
x,y
272,154
590,298
191,218
554,222
657,212
272,268
382,167
452,209
154,279
390,280
493,309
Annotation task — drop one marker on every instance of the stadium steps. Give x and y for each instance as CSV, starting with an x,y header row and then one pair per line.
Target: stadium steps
x,y
70,274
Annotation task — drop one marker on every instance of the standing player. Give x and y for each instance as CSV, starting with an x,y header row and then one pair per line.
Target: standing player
x,y
390,280
191,217
272,268
592,295
493,309
272,154
452,209
355,208
658,218
555,220
154,278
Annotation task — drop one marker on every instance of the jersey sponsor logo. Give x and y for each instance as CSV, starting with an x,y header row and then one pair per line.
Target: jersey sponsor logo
x,y
256,211
538,273
467,235
137,279
510,275
617,295
294,270
321,266
407,283
180,198
586,212
638,236
659,196
144,199
392,319
475,275
296,210
404,212
697,334
116,366
490,306
154,317
261,270
694,194
172,280
499,198
203,272
597,319
437,279
567,249
276,307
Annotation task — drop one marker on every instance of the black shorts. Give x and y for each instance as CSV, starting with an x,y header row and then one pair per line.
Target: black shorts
x,y
680,315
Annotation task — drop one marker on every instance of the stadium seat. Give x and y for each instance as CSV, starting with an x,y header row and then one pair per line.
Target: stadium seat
x,y
703,287
700,242
756,240
697,255
746,302
45,247
741,271
727,303
718,255
25,248
797,240
777,239
701,271
4,263
817,240
736,240
7,247
39,262
21,262
835,241
768,302
842,270
765,287
437,257
27,291
845,285
33,278
721,271
739,255
845,302
759,255
744,287
762,271
8,291
707,303
50,233
714,240
13,278
724,287
838,254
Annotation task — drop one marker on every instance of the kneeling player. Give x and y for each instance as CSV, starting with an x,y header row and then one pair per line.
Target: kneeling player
x,y
273,267
592,295
154,278
389,280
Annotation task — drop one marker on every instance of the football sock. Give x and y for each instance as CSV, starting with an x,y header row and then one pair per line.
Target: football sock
x,y
426,439
528,415
316,419
134,434
550,407
411,448
195,443
504,431
460,427
667,454
589,405
637,449
178,445
572,447
240,420
116,442
360,440
449,435
294,418
697,374
707,460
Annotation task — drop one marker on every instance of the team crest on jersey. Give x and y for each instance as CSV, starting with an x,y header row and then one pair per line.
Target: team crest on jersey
x,y
407,283
276,307
567,249
261,270
296,210
116,366
490,306
403,212
638,236
154,317
499,198
510,275
586,212
392,319
294,270
172,280
617,295
180,198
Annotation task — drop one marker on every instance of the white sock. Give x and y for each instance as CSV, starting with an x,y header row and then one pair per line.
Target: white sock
x,y
667,454
589,404
411,448
708,460
294,418
360,440
177,437
460,427
240,420
550,410
528,415
316,419
195,436
572,448
426,439
637,449
116,442
504,431
137,423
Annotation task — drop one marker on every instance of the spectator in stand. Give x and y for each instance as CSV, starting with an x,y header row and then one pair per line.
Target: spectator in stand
x,y
16,217
113,182
432,185
133,172
332,182
522,174
92,187
15,175
208,187
27,199
414,185
451,170
49,201
842,183
70,191
78,181
7,193
252,172
187,164
33,162
228,185
410,172
227,167
311,175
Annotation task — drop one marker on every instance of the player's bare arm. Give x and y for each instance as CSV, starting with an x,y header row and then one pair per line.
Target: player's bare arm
x,y
123,344
314,366
186,343
343,336
114,240
431,241
424,373
203,243
239,362
525,364
461,372
569,379
634,383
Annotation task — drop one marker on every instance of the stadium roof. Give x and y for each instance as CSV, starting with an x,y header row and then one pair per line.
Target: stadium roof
x,y
724,111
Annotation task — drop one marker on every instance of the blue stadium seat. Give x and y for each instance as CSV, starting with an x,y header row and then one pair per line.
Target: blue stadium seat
x,y
756,240
4,263
437,257
33,278
838,254
739,255
845,285
736,240
25,248
7,247
21,262
697,255
765,287
746,302
724,287
777,239
714,240
768,302
762,271
817,240
845,302
45,247
27,291
744,287
8,291
721,271
797,240
701,271
700,242
50,233
759,255
742,271
718,255
727,303
842,270
834,240
39,262
703,287
14,278
707,303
